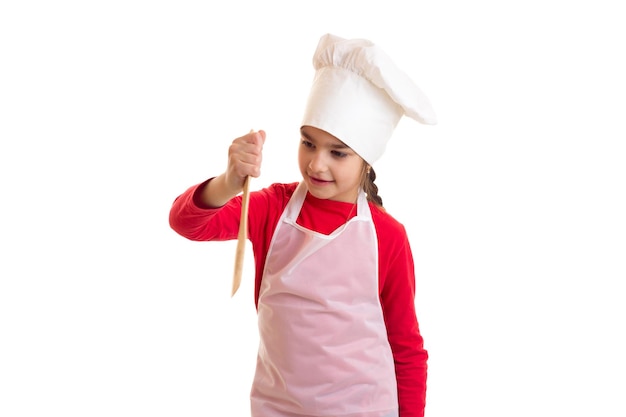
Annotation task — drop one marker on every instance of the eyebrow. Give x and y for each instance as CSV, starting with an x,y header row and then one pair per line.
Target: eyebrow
x,y
339,145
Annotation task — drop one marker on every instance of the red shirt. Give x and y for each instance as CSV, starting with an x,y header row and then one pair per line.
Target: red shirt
x,y
396,269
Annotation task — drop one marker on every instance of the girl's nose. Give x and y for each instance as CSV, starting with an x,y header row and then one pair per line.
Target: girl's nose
x,y
317,163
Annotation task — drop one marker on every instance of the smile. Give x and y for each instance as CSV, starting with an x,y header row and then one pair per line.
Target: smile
x,y
318,181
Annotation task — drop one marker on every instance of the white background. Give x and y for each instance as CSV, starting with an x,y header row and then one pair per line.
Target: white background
x,y
514,202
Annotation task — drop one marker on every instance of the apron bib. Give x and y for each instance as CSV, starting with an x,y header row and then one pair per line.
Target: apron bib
x,y
323,343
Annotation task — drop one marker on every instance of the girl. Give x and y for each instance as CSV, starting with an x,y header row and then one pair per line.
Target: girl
x,y
335,282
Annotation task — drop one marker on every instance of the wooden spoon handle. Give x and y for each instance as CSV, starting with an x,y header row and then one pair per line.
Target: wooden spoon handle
x,y
242,236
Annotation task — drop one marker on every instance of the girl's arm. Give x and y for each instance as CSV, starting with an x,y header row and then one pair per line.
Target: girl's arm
x,y
397,299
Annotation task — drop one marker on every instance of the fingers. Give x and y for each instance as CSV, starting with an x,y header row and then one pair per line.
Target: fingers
x,y
245,155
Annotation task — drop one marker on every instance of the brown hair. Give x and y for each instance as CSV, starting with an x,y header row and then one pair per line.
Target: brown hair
x,y
371,189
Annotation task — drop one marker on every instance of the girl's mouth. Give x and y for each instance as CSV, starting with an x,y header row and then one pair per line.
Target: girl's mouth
x,y
318,181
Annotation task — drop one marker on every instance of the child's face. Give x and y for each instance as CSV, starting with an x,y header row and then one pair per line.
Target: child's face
x,y
330,169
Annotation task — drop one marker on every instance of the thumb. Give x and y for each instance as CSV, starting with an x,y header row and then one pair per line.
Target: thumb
x,y
260,137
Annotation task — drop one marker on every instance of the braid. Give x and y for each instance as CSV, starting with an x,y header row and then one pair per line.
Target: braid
x,y
371,189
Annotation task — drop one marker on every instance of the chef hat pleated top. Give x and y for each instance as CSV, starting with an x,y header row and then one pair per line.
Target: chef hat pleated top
x,y
359,95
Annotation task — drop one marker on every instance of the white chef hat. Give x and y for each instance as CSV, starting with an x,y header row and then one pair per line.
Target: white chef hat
x,y
359,95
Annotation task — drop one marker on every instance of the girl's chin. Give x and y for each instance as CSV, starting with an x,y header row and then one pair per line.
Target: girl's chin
x,y
319,191
324,193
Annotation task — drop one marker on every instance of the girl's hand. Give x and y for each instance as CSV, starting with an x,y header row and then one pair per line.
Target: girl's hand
x,y
244,159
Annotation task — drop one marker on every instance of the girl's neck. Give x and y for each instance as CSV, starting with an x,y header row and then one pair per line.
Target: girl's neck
x,y
325,216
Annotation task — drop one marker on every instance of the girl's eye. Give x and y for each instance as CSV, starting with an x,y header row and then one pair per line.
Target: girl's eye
x,y
306,143
338,154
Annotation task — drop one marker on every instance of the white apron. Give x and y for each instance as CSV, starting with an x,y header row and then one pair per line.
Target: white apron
x,y
323,344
